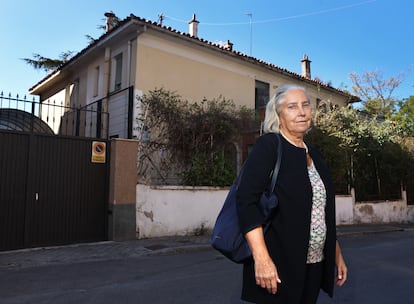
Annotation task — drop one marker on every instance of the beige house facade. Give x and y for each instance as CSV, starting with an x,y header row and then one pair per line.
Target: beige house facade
x,y
138,56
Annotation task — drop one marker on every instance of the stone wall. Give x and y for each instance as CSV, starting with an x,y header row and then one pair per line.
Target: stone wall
x,y
143,211
175,210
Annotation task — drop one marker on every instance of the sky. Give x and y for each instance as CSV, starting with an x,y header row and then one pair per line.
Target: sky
x,y
339,36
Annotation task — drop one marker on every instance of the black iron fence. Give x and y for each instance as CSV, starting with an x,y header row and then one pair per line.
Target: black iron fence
x,y
51,117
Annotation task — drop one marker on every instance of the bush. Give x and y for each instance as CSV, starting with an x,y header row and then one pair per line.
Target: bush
x,y
194,138
363,151
209,171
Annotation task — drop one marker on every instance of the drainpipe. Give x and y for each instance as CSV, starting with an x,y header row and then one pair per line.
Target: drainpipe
x,y
130,91
105,87
106,71
134,103
128,65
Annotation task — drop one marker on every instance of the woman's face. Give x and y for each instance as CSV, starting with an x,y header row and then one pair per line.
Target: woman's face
x,y
295,113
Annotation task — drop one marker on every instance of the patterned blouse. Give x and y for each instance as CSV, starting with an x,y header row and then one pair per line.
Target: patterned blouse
x,y
318,225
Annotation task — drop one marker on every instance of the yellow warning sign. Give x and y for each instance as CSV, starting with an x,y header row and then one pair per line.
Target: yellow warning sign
x,y
98,152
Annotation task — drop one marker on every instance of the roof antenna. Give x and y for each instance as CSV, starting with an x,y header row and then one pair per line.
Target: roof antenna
x,y
250,15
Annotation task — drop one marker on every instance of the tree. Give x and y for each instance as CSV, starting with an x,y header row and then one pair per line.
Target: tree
x,y
367,152
355,129
405,115
376,92
47,64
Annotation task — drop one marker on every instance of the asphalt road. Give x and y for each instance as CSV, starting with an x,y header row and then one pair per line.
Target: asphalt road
x,y
381,269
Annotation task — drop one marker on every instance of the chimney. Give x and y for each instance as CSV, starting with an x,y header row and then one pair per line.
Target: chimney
x,y
110,17
306,72
228,45
193,27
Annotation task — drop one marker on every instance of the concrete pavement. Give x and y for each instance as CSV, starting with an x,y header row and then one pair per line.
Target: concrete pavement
x,y
111,250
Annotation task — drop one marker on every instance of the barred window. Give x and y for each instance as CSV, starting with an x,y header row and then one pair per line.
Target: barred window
x,y
261,95
118,72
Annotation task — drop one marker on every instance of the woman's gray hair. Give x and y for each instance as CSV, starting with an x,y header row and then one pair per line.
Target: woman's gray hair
x,y
271,121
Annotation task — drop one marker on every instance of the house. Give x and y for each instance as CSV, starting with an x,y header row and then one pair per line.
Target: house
x,y
138,55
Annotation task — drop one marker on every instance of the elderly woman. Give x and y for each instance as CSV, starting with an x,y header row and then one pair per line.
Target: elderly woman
x,y
298,254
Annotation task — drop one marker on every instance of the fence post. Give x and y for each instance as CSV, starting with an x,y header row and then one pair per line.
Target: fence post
x,y
130,110
32,118
99,119
77,121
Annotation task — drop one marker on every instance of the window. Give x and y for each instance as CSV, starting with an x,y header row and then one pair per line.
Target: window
x,y
96,82
118,72
261,95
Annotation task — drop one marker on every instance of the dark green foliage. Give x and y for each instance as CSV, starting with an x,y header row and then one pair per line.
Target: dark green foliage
x,y
196,136
335,155
372,155
405,115
209,170
47,64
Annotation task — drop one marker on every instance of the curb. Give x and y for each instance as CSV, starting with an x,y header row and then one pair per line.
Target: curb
x,y
177,250
107,250
368,231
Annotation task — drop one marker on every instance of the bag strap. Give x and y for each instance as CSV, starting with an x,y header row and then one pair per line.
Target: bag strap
x,y
277,165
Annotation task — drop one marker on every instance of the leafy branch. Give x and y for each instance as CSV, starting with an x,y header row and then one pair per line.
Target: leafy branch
x,y
189,141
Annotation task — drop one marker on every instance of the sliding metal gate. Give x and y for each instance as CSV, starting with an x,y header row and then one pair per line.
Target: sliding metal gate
x,y
51,192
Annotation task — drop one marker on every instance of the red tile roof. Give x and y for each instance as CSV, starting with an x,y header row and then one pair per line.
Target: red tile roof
x,y
169,30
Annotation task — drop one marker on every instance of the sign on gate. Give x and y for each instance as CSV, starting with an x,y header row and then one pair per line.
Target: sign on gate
x,y
98,152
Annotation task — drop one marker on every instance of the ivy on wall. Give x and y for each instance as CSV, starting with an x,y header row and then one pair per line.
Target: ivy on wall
x,y
186,142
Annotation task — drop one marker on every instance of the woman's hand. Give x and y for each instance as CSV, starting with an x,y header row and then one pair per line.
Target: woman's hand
x,y
266,274
265,270
342,270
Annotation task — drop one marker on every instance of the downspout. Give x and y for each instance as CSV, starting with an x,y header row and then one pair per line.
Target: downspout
x,y
134,106
128,66
106,72
130,91
140,31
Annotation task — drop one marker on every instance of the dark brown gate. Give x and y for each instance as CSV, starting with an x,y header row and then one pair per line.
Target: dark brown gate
x,y
51,193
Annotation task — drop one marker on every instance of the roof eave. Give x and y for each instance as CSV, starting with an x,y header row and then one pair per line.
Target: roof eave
x,y
132,21
129,27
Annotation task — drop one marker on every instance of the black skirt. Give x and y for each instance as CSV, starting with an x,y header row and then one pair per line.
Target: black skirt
x,y
291,290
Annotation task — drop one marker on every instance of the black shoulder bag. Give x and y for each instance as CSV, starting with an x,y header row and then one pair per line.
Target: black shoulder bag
x,y
227,237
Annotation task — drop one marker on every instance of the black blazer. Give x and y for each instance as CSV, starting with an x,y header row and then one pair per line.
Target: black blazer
x,y
291,224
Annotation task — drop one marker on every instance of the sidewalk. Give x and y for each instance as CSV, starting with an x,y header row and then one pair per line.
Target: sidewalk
x,y
101,251
111,250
